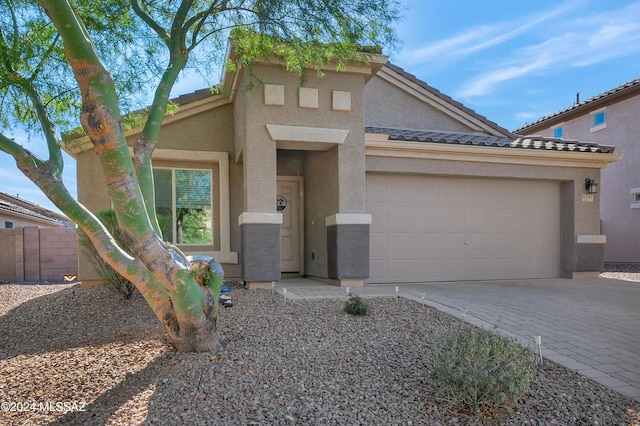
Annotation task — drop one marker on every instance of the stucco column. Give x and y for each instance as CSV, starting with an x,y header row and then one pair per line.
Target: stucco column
x,y
259,223
348,248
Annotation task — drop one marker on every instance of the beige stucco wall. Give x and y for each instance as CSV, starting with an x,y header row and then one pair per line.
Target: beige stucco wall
x,y
388,106
620,223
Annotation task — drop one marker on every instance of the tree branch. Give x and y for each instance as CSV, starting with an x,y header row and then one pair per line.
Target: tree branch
x,y
162,33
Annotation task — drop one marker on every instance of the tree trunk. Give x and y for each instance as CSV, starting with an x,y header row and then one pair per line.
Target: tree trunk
x,y
182,292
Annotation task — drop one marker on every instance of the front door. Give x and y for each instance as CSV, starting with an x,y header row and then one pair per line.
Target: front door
x,y
288,202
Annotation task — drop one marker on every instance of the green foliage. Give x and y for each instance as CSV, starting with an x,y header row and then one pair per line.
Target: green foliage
x,y
356,306
477,369
112,279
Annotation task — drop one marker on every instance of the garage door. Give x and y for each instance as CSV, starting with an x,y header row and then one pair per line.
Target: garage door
x,y
451,229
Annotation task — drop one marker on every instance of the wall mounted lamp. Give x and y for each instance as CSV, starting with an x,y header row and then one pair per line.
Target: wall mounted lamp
x,y
591,186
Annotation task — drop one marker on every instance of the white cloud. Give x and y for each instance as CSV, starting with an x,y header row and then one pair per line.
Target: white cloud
x,y
586,41
480,38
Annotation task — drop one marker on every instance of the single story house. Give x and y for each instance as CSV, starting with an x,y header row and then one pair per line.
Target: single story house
x,y
366,175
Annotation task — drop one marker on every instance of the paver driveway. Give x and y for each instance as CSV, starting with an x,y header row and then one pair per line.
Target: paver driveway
x,y
589,325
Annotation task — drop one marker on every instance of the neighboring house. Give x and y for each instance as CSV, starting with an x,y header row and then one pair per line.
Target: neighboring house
x,y
15,211
364,175
612,117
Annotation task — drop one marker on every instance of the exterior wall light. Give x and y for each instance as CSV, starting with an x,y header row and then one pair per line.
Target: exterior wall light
x,y
591,186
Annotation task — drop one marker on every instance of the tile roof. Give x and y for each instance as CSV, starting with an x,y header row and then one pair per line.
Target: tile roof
x,y
11,204
622,90
513,141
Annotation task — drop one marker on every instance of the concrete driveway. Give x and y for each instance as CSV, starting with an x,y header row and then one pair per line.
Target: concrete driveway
x,y
591,326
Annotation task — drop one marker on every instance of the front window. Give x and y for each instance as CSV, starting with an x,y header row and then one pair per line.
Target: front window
x,y
184,205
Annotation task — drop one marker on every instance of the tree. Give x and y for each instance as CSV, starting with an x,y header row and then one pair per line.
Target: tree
x,y
33,53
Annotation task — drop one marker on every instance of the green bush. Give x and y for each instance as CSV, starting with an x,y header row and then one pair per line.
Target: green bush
x,y
356,306
477,369
110,276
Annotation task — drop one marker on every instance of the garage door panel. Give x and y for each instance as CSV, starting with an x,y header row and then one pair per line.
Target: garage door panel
x,y
452,217
379,268
379,216
400,218
401,269
426,218
430,268
427,194
401,241
428,242
438,228
478,218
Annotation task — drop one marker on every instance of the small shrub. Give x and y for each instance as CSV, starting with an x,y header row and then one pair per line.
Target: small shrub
x,y
110,276
479,369
356,306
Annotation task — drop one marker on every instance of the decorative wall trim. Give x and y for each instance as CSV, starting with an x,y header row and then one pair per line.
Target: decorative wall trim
x,y
348,219
307,134
591,239
262,218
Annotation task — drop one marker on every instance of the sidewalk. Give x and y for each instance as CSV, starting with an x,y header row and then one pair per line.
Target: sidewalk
x,y
591,326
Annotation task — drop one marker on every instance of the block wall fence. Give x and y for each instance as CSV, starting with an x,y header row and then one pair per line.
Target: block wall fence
x,y
31,253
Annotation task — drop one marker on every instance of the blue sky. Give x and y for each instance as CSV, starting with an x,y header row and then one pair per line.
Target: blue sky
x,y
511,61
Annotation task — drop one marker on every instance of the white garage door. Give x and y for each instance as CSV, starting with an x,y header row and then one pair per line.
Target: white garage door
x,y
450,229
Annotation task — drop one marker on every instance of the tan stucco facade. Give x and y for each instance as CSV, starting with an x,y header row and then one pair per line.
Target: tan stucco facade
x,y
314,134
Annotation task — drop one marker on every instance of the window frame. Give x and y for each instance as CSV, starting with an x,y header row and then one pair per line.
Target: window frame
x,y
174,207
222,251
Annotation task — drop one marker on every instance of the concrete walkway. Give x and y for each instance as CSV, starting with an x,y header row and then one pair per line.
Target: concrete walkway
x,y
591,326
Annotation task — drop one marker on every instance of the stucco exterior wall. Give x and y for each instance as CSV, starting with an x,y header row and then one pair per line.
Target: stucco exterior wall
x,y
620,223
388,106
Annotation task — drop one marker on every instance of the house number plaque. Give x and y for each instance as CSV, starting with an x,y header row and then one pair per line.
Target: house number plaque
x,y
281,202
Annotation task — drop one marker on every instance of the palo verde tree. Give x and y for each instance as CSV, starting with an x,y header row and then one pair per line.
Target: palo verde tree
x,y
41,48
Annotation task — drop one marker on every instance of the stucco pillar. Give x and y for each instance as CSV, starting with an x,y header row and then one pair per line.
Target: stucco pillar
x,y
348,248
259,223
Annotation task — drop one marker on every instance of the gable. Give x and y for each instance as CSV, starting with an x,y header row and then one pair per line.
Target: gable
x,y
394,98
388,106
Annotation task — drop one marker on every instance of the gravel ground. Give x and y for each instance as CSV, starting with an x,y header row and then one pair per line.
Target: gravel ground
x,y
91,358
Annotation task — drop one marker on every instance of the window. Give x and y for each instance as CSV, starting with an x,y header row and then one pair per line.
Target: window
x,y
598,118
8,224
184,205
635,198
557,132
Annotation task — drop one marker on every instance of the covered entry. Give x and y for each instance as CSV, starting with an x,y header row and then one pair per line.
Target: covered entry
x,y
428,228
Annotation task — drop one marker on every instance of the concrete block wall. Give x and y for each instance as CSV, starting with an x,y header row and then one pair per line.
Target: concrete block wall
x,y
38,254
